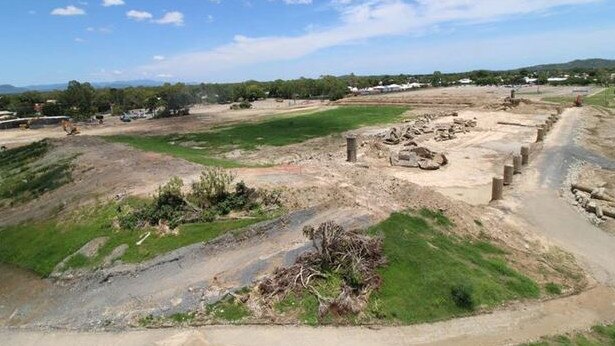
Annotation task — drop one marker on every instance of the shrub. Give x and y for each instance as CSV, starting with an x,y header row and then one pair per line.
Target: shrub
x,y
462,296
211,188
553,288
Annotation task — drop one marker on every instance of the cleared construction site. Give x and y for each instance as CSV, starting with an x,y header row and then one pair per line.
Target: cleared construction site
x,y
457,215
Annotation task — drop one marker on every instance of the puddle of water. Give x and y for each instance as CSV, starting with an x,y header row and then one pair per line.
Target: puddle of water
x,y
22,295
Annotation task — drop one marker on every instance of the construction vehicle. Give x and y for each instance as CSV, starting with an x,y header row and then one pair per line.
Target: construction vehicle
x,y
579,101
70,128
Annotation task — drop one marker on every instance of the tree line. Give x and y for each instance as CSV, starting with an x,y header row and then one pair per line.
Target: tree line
x,y
82,100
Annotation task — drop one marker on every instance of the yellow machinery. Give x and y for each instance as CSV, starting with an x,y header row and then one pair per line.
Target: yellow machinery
x,y
70,128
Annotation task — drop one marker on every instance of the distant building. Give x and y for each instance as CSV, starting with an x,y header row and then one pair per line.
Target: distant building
x,y
557,79
530,80
465,81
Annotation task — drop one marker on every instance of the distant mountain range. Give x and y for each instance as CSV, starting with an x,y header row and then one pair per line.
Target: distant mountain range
x,y
584,64
10,89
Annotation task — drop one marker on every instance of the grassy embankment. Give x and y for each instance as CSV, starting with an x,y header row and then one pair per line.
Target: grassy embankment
x,y
598,335
425,265
23,177
207,147
41,246
431,275
605,98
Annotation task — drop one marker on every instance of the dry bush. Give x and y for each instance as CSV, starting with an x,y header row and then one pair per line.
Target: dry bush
x,y
352,255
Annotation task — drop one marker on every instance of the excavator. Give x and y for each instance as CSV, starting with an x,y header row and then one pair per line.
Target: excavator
x,y
70,128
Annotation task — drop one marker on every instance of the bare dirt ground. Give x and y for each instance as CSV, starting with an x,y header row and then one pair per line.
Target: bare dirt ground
x,y
314,173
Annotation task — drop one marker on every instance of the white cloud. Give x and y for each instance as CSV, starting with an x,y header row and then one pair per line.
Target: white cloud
x,y
358,21
298,2
68,11
173,17
107,3
138,15
158,57
79,40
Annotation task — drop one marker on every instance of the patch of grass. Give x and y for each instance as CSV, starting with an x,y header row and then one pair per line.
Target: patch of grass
x,y
435,216
598,335
206,147
425,266
228,310
41,246
77,261
605,98
553,288
23,179
182,317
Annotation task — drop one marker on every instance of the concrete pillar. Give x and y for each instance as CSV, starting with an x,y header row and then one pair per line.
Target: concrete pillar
x,y
508,174
497,189
541,135
517,164
351,148
525,155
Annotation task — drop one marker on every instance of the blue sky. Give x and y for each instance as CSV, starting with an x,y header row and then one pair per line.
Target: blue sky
x,y
53,41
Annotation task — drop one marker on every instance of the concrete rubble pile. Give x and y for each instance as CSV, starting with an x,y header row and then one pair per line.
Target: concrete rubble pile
x,y
445,132
419,157
594,200
423,126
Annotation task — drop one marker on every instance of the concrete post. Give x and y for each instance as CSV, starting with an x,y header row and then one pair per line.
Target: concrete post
x,y
508,174
517,164
541,135
497,188
525,155
351,148
512,94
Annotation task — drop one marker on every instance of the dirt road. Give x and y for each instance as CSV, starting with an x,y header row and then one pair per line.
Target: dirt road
x,y
539,202
505,327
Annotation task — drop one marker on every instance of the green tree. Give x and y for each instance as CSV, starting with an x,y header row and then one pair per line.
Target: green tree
x,y
79,98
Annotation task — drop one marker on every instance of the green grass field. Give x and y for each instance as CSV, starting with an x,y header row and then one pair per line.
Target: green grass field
x,y
605,98
597,336
207,147
425,264
23,177
41,246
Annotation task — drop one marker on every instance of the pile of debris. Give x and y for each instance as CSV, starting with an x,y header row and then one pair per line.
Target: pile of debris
x,y
594,200
351,255
445,132
419,157
423,126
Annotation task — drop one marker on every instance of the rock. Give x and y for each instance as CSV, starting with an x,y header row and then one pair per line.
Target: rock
x,y
440,159
599,212
115,254
429,165
422,152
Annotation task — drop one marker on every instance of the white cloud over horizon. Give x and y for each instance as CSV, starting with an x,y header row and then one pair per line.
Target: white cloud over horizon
x,y
358,21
